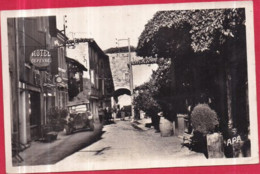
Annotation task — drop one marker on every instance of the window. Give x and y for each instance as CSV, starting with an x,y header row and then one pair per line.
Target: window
x,y
126,76
61,61
100,83
103,87
92,77
41,24
97,82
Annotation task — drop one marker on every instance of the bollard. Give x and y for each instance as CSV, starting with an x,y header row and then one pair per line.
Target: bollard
x,y
215,145
166,127
181,124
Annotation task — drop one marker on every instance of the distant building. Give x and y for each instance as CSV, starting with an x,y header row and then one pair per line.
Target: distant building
x,y
38,74
75,77
98,84
119,62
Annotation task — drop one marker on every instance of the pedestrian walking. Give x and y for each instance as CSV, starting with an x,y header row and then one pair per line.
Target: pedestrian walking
x,y
106,115
101,114
137,113
123,113
109,114
157,122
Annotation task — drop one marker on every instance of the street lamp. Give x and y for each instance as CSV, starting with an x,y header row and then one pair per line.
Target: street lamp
x,y
130,73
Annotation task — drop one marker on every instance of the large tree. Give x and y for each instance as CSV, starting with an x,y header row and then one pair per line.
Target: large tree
x,y
169,33
207,49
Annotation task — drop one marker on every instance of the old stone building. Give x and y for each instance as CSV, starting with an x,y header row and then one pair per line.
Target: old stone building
x,y
98,84
119,62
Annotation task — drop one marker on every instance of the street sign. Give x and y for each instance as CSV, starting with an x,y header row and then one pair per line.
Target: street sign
x,y
40,58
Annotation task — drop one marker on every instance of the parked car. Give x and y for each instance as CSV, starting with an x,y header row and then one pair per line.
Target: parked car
x,y
78,121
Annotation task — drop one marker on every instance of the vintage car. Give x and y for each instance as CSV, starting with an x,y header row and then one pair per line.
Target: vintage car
x,y
78,120
79,117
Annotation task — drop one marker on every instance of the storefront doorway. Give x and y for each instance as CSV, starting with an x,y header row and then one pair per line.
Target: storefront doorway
x,y
35,114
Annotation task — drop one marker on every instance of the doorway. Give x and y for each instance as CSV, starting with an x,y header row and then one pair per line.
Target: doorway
x,y
35,114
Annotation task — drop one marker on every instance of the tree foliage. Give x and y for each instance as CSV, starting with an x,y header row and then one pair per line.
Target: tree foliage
x,y
124,49
171,32
161,79
152,96
145,101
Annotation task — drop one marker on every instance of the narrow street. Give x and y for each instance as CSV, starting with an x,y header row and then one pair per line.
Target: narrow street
x,y
80,95
122,144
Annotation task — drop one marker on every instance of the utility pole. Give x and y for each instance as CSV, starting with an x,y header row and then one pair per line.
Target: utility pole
x,y
130,75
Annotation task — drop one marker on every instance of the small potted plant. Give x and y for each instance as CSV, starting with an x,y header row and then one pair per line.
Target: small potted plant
x,y
54,124
205,122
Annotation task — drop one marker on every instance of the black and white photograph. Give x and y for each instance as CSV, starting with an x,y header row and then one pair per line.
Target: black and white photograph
x,y
129,87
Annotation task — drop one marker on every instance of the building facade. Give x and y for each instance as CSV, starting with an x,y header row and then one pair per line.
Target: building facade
x,y
97,81
38,74
75,77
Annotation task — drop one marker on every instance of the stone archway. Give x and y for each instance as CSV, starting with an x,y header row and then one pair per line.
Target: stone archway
x,y
119,92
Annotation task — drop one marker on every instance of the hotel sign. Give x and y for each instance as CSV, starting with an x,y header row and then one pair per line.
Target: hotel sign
x,y
40,58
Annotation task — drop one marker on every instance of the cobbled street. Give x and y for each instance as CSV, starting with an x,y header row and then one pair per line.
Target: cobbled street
x,y
121,142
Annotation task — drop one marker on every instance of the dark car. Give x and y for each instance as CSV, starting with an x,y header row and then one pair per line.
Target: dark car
x,y
78,121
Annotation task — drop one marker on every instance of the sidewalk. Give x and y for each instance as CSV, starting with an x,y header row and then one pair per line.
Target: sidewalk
x,y
177,140
40,153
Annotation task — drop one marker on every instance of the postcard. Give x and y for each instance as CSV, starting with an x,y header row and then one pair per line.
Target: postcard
x,y
129,87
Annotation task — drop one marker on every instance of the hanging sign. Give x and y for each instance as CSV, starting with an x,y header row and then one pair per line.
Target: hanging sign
x,y
40,58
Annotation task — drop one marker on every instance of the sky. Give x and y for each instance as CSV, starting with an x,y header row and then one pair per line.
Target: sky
x,y
141,74
106,24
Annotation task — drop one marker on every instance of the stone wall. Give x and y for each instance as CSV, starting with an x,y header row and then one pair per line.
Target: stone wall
x,y
120,70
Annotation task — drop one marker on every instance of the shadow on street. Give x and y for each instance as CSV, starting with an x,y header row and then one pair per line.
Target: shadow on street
x,y
42,153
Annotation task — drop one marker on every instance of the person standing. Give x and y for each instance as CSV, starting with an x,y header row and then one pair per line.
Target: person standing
x,y
101,114
106,115
157,122
109,114
123,113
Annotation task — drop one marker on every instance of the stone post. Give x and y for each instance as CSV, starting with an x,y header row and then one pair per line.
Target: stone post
x,y
181,124
166,127
215,145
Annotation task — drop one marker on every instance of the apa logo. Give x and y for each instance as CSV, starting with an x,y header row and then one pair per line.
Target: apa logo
x,y
233,140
